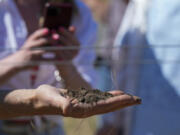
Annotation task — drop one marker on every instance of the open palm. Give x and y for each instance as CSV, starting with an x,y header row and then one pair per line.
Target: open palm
x,y
51,101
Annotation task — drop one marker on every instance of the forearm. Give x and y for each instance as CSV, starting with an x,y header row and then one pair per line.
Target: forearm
x,y
72,78
17,103
25,102
7,69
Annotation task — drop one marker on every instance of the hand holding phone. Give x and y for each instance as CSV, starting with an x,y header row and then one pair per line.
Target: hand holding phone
x,y
57,18
68,39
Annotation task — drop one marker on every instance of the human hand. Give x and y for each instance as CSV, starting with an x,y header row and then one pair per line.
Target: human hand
x,y
32,49
49,101
69,42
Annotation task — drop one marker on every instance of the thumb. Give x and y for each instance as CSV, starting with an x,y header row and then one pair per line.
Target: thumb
x,y
72,29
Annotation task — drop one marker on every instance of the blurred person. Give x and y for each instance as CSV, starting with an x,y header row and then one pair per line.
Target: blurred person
x,y
146,61
99,13
111,21
49,100
20,34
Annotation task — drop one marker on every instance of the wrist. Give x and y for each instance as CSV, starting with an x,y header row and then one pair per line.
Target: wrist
x,y
21,62
14,62
37,104
67,69
8,69
44,104
72,77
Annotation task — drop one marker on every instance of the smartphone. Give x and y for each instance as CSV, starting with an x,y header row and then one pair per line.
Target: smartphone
x,y
57,15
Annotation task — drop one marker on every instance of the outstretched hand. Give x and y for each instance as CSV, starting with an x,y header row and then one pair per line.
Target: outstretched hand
x,y
50,101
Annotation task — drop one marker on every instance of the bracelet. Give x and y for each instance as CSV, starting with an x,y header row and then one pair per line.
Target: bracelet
x,y
58,77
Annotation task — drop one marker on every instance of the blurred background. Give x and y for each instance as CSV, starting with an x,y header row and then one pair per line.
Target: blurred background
x,y
148,32
137,50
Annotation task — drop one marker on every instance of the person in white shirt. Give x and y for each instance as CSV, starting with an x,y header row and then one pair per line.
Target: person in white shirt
x,y
20,32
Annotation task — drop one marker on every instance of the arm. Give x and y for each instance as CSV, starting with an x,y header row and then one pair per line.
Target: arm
x,y
7,69
16,103
47,100
25,102
23,58
71,76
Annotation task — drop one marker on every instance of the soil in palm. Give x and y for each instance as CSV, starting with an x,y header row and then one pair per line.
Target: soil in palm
x,y
87,96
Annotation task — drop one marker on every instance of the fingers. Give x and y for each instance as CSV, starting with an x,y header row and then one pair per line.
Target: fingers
x,y
39,33
38,39
65,33
65,38
64,41
80,110
122,100
40,42
117,92
62,91
72,29
110,105
69,34
64,52
38,47
116,103
37,54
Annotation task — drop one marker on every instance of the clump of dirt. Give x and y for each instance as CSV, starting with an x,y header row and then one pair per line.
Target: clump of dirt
x,y
87,96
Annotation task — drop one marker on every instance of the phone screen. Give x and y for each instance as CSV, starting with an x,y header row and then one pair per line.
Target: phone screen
x,y
57,15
